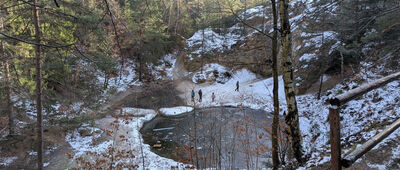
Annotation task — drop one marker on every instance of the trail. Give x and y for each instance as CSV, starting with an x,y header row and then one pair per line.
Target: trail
x,y
182,84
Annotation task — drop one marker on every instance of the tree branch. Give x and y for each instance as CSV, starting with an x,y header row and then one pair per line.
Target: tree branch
x,y
250,26
112,21
33,43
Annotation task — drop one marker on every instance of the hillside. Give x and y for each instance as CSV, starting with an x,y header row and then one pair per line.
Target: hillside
x,y
121,95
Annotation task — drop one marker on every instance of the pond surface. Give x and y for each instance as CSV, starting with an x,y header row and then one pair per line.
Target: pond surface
x,y
221,137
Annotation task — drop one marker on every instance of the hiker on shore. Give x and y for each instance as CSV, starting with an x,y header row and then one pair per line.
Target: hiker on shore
x,y
200,95
193,95
213,97
237,86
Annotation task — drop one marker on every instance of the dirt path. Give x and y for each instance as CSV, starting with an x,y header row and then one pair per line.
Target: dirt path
x,y
120,98
182,84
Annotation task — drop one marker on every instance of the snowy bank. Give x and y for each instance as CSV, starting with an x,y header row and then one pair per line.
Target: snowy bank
x,y
175,110
127,138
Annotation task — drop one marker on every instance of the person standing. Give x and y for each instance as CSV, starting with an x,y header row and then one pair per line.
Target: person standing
x,y
237,86
193,95
213,97
200,95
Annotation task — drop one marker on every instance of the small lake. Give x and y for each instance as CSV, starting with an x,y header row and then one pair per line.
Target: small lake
x,y
220,137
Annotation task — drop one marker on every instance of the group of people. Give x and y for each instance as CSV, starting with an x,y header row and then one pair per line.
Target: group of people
x,y
212,95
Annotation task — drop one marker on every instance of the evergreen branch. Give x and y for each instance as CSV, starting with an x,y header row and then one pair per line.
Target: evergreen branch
x,y
34,43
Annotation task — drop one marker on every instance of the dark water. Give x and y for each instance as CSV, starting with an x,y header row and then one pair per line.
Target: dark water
x,y
224,137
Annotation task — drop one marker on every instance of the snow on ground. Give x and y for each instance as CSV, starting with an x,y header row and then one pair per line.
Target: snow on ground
x,y
307,57
130,111
129,128
209,71
4,162
211,41
82,144
258,11
361,116
124,81
207,41
173,111
164,70
254,93
318,38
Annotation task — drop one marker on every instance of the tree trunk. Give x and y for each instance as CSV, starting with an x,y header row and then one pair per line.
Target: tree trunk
x,y
38,86
320,86
275,123
7,85
341,65
140,48
10,110
140,67
292,118
178,13
202,51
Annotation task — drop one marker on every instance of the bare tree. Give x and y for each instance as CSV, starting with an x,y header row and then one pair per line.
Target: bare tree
x,y
292,118
275,122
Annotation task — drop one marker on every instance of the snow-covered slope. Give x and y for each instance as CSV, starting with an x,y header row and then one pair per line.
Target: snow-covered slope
x,y
361,118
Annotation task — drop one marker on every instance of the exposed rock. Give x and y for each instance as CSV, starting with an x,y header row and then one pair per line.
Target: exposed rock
x,y
253,54
89,131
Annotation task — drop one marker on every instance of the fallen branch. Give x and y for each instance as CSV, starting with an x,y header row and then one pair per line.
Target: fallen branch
x,y
359,152
350,95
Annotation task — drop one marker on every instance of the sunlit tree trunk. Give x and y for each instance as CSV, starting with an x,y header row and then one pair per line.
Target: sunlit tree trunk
x,y
292,118
38,86
6,64
275,123
7,86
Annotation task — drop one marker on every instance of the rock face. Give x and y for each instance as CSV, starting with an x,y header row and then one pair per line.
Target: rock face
x,y
253,54
236,47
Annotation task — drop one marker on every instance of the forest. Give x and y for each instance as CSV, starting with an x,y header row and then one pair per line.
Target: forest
x,y
199,84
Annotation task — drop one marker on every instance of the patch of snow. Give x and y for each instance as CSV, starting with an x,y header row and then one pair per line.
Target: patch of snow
x,y
211,71
83,144
121,82
175,110
377,166
32,153
164,70
7,161
317,39
298,47
307,57
258,11
213,42
135,111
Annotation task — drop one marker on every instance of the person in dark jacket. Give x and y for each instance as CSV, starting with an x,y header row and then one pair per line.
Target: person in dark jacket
x,y
200,95
193,95
213,97
237,86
